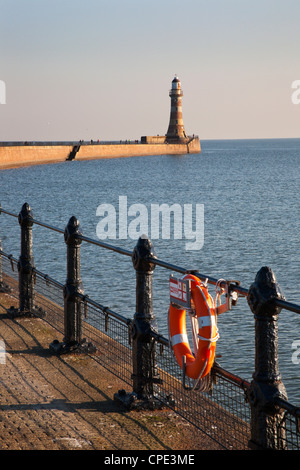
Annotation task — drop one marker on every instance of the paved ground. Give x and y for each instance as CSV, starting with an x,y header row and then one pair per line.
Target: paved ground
x,y
49,402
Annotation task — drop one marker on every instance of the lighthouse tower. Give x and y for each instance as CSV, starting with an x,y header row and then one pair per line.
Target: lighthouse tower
x,y
176,132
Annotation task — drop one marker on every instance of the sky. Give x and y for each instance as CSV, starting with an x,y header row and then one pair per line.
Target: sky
x,y
102,69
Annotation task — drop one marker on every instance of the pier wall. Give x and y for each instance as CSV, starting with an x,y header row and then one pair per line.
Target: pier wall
x,y
15,156
18,154
135,150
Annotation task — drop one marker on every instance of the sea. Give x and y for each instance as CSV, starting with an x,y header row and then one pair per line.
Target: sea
x,y
247,193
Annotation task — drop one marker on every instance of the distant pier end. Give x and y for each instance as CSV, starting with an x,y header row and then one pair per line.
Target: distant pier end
x,y
176,132
190,145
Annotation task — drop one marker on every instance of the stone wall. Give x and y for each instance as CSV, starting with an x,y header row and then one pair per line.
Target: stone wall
x,y
134,150
11,156
153,139
22,155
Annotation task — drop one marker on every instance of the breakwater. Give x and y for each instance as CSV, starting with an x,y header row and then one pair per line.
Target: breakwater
x,y
14,154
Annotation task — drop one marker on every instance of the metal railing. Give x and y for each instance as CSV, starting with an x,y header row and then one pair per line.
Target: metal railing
x,y
232,412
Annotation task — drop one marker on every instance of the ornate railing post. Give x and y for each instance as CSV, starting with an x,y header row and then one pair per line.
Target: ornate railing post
x,y
73,285
26,263
143,347
145,375
267,419
73,305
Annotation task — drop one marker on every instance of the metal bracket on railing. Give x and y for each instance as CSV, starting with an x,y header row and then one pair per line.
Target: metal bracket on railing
x,y
106,318
10,257
130,325
184,374
85,304
224,288
233,294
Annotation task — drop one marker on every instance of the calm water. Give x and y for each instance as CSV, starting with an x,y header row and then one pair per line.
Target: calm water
x,y
250,192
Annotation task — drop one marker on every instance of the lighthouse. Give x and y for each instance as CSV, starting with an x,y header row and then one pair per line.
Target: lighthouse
x,y
176,131
175,141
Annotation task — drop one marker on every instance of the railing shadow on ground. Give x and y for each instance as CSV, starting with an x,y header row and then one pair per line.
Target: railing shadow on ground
x,y
235,413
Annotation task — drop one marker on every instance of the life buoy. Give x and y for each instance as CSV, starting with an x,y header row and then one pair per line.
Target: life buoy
x,y
199,365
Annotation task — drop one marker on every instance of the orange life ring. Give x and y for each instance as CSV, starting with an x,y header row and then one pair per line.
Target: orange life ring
x,y
199,365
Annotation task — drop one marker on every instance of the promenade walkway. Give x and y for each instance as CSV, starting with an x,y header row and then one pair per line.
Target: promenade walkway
x,y
50,402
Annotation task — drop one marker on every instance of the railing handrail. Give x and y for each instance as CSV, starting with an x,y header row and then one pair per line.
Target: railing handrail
x,y
68,143
211,280
73,143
